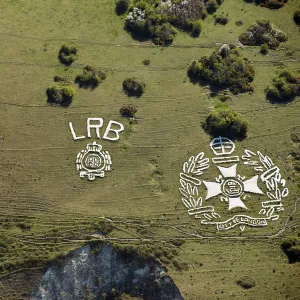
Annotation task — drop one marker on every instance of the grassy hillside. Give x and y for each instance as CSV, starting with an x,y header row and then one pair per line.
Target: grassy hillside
x,y
47,210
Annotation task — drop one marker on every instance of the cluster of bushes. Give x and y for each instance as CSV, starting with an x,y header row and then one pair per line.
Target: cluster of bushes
x,y
60,94
225,122
133,87
291,247
263,32
272,4
90,77
285,87
157,20
225,68
67,54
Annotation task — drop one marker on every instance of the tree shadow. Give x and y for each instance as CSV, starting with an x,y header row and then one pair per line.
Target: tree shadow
x,y
65,103
86,85
281,100
131,93
224,133
256,2
215,89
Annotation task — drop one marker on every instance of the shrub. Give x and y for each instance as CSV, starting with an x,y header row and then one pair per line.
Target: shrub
x,y
136,24
133,87
102,225
90,77
297,17
225,68
285,87
163,34
239,23
128,111
221,20
264,48
60,94
263,32
225,122
67,54
246,282
196,28
57,78
146,62
291,247
122,6
224,97
211,6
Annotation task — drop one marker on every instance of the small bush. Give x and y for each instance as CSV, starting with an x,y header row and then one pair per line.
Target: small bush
x,y
263,32
90,78
136,24
180,265
67,54
239,23
128,111
291,247
146,62
211,6
285,87
163,34
297,17
224,97
264,49
102,225
196,28
61,95
225,122
221,20
133,87
246,282
122,6
57,78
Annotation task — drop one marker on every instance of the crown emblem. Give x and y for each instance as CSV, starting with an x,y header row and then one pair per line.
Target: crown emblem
x,y
93,162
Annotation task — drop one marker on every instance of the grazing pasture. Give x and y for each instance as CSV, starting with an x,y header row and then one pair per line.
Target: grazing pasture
x,y
47,210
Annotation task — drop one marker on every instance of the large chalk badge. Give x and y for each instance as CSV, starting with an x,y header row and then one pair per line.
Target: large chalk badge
x,y
93,161
231,188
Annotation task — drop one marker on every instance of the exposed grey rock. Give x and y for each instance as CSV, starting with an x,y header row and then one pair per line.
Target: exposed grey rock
x,y
92,271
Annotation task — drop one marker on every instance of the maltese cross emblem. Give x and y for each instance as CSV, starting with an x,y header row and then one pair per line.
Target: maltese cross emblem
x,y
232,186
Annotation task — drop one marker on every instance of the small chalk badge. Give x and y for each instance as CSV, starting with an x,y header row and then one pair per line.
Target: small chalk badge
x,y
231,188
92,162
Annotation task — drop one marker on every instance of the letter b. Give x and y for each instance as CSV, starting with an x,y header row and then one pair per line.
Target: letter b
x,y
117,131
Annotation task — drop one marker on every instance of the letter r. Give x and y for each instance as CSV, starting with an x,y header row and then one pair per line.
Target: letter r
x,y
95,126
117,131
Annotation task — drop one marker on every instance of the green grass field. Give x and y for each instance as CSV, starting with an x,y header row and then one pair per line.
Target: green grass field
x,y
41,189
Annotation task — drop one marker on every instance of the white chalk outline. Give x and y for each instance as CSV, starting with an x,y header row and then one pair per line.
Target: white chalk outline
x,y
271,177
85,171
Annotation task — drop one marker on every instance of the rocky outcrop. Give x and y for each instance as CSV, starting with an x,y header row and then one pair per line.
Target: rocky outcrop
x,y
97,272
